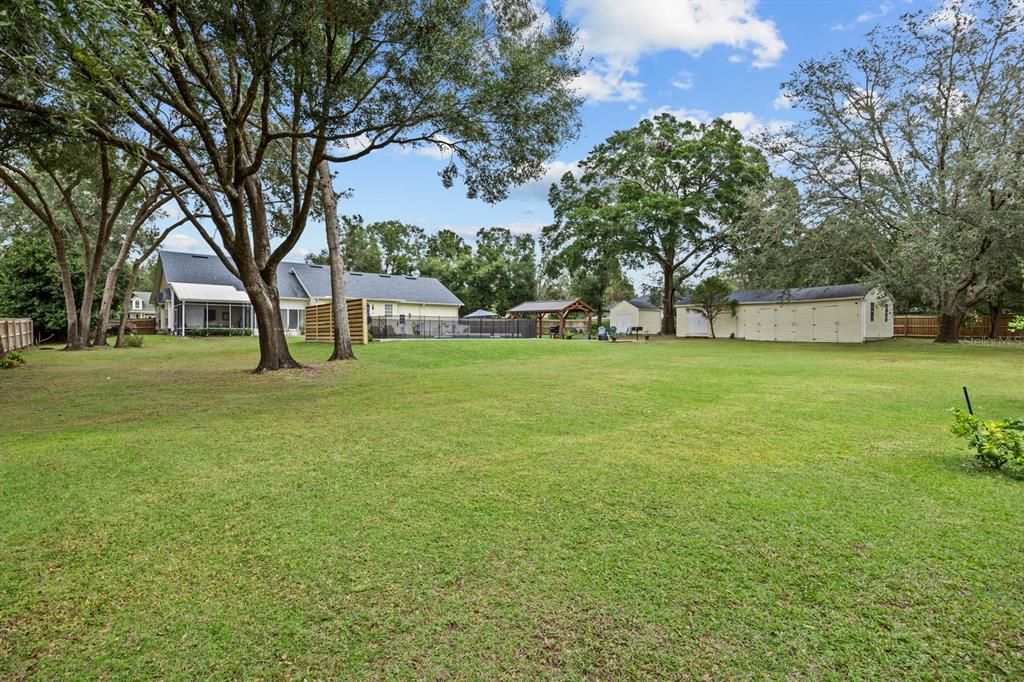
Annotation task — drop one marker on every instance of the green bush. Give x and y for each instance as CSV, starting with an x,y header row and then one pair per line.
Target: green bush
x,y
12,359
221,331
994,442
133,341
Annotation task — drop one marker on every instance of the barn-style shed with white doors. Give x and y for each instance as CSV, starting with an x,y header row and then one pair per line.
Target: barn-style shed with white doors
x,y
847,313
636,313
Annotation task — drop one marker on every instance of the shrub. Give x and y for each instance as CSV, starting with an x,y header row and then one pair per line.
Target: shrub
x,y
1017,324
133,341
12,359
221,331
994,442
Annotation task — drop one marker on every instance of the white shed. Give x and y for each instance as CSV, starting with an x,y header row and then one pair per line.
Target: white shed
x,y
847,313
634,313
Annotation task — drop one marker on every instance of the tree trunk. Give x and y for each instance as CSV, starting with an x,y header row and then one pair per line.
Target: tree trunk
x,y
339,306
74,339
85,311
993,317
949,328
711,325
266,306
122,325
668,317
106,301
110,287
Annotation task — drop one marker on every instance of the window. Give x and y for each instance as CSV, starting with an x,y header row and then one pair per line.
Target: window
x,y
389,309
886,312
136,304
293,319
212,316
871,316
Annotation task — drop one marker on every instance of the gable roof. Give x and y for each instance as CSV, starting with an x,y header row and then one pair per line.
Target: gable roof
x,y
798,294
305,280
481,313
641,303
145,297
547,306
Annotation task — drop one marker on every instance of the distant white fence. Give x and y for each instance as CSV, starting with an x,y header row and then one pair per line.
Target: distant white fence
x,y
16,333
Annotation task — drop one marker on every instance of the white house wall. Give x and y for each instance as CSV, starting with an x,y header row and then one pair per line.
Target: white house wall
x,y
379,308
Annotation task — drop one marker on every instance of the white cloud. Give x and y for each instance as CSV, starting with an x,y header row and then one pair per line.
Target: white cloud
x,y
351,146
608,82
863,18
430,150
553,172
692,115
782,101
746,122
183,242
743,121
517,227
947,15
683,80
882,10
618,34
737,58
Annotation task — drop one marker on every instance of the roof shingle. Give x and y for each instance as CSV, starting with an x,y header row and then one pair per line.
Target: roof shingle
x,y
305,280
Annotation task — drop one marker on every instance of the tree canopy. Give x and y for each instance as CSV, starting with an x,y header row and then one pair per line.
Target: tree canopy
x,y
240,101
910,155
665,193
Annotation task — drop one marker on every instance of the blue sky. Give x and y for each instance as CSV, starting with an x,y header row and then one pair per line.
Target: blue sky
x,y
699,59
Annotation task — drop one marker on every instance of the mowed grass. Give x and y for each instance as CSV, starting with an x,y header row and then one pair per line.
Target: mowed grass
x,y
525,509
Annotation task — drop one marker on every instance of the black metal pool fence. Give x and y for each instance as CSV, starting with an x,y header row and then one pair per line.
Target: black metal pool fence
x,y
415,327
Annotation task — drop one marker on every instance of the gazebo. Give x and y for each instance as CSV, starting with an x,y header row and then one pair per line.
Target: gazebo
x,y
539,309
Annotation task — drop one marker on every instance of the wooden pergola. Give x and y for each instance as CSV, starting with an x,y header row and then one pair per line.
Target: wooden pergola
x,y
540,309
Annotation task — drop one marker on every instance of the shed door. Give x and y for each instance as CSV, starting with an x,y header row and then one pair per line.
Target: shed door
x,y
765,330
803,323
826,323
623,323
697,324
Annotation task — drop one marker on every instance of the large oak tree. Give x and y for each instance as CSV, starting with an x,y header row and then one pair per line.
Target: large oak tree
x,y
213,88
666,193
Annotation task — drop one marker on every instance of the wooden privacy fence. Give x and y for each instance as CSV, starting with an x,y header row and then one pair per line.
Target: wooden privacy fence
x,y
143,326
17,333
928,326
320,322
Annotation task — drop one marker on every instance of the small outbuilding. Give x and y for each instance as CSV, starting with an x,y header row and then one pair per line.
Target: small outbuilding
x,y
636,313
847,313
562,309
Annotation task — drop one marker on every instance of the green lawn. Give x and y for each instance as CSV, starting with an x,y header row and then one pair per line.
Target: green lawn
x,y
508,509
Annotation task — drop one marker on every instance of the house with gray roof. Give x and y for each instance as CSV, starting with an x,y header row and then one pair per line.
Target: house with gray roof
x,y
140,305
845,313
196,291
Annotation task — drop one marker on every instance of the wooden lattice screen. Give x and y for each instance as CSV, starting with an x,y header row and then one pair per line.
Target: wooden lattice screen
x,y
320,322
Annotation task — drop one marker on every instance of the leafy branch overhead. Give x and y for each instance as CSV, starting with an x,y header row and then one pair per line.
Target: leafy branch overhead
x,y
240,101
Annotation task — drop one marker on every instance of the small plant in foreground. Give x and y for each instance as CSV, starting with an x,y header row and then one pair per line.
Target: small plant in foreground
x,y
994,442
133,341
12,359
